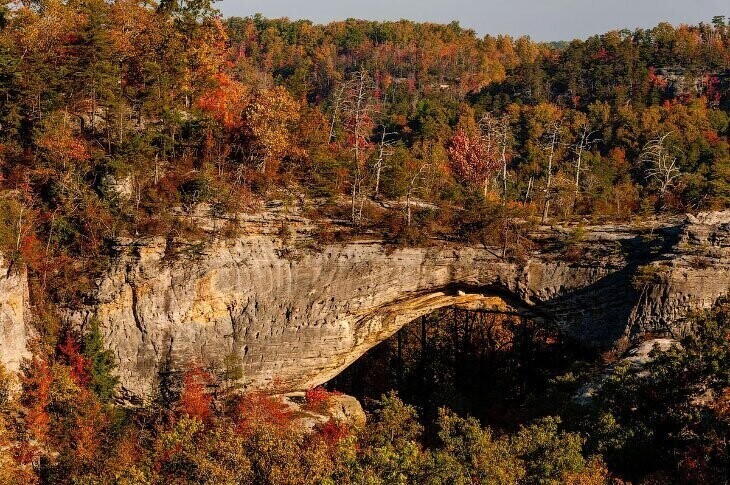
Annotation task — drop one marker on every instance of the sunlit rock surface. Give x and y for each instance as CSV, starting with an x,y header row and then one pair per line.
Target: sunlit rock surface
x,y
296,317
13,315
339,408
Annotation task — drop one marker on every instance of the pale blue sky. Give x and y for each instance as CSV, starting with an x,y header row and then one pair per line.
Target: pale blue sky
x,y
541,19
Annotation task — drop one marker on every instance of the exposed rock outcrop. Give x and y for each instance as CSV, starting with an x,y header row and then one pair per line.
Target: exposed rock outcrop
x,y
338,407
693,273
13,315
638,357
295,318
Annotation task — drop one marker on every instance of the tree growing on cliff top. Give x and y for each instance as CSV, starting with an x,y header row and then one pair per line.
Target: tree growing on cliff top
x,y
474,150
269,122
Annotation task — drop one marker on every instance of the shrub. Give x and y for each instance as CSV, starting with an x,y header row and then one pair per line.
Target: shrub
x,y
257,409
195,400
101,364
318,398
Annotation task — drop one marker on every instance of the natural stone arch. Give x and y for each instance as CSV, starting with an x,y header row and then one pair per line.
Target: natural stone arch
x,y
295,320
375,326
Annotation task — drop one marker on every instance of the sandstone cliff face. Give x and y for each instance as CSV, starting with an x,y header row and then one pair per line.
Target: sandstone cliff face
x,y
13,316
296,319
693,273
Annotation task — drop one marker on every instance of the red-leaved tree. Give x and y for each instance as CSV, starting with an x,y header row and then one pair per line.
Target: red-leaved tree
x,y
473,158
195,400
71,353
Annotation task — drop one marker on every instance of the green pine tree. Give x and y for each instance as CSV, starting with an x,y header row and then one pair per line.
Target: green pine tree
x,y
102,380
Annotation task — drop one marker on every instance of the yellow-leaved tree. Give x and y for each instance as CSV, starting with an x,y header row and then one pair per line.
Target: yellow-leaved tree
x,y
269,121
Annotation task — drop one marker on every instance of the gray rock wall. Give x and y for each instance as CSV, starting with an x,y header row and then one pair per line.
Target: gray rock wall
x,y
694,273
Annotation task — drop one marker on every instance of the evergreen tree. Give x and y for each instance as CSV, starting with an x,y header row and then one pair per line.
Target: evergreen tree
x,y
102,380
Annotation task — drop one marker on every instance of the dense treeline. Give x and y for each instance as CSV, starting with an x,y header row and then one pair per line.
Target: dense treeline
x,y
118,117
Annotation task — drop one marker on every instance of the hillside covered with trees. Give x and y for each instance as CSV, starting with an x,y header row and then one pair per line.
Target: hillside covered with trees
x,y
117,117
120,118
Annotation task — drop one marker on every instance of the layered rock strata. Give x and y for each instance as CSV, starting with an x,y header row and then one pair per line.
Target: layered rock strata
x,y
296,317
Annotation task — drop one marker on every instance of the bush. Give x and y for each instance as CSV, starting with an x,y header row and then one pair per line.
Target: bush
x,y
318,399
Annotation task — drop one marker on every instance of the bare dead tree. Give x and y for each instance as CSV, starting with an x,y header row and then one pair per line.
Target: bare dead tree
x,y
584,142
385,151
360,107
528,192
419,167
25,207
338,99
504,140
663,167
549,146
488,128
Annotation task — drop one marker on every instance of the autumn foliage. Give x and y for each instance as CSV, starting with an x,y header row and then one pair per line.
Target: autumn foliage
x,y
318,398
70,351
37,395
61,431
472,159
256,408
225,102
195,398
126,120
334,431
119,119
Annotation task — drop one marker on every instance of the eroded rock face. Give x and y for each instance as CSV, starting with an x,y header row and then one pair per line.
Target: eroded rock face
x,y
13,315
297,318
694,273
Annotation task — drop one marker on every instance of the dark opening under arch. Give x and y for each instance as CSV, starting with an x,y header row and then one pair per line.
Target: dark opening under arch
x,y
482,362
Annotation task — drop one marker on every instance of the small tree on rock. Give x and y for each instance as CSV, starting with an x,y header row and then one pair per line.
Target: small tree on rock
x,y
102,380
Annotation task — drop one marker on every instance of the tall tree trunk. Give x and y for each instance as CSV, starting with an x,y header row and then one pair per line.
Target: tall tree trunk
x,y
549,183
399,364
504,172
578,168
408,208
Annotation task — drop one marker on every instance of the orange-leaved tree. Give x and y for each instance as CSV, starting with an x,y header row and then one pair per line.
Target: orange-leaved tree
x,y
195,400
225,101
37,383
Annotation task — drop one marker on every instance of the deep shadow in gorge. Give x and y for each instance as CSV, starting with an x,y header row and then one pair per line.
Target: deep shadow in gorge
x,y
492,366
